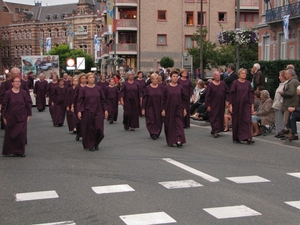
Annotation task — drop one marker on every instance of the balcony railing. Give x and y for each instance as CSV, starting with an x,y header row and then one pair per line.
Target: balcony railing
x,y
278,13
126,23
246,25
249,3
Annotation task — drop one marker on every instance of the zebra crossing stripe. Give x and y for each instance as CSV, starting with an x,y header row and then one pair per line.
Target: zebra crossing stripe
x,y
247,179
112,189
294,174
148,219
231,212
36,195
295,204
192,170
180,184
58,223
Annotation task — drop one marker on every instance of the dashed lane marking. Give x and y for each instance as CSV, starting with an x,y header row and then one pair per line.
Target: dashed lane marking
x,y
36,195
295,204
294,174
58,223
232,212
148,219
112,189
247,179
180,184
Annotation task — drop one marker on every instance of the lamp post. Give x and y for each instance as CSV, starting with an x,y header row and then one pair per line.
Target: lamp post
x,y
237,27
201,40
114,35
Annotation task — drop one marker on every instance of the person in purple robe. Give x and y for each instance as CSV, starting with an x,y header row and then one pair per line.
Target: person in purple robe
x,y
112,100
130,100
241,99
151,107
82,83
142,85
215,98
67,81
60,93
16,112
173,110
160,81
28,82
50,93
40,91
92,110
71,116
188,89
102,82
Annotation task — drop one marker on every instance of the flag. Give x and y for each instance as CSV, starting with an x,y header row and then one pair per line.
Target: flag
x,y
96,46
71,35
110,15
41,43
286,26
48,44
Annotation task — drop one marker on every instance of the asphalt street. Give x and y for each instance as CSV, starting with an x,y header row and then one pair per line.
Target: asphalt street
x,y
133,179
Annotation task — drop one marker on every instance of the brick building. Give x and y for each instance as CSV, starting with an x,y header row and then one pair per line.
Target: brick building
x,y
272,41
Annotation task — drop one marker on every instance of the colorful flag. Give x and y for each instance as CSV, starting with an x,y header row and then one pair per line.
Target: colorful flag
x,y
48,44
286,26
96,47
71,35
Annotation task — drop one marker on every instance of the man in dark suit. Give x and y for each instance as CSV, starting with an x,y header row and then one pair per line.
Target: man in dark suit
x,y
231,75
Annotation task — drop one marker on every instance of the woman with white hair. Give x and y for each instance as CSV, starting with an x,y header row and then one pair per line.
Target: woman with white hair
x,y
265,113
258,81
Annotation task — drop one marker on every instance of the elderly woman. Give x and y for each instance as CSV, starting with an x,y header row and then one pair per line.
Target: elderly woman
x,y
277,104
151,107
241,106
265,113
130,100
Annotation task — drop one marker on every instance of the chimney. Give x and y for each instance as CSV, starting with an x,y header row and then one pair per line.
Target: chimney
x,y
37,3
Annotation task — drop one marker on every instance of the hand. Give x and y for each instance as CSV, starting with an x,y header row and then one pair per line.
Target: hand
x,y
143,112
252,108
52,103
28,118
72,109
68,108
35,95
122,102
4,120
254,113
184,113
79,115
227,105
105,114
208,109
291,109
163,113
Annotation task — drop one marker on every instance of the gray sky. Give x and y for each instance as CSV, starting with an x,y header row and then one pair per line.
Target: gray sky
x,y
44,2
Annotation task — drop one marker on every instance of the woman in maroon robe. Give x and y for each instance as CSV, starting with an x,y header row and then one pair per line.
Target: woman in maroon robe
x,y
50,93
102,82
142,85
112,100
16,111
241,106
151,107
215,96
59,102
91,111
173,109
130,100
40,91
189,92
82,83
71,116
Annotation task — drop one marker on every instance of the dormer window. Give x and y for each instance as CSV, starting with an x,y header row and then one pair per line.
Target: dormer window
x,y
55,16
63,15
48,17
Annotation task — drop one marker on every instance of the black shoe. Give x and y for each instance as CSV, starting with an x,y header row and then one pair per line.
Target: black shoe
x,y
179,144
96,147
74,131
92,149
77,138
250,141
21,155
293,137
60,125
237,141
154,137
216,135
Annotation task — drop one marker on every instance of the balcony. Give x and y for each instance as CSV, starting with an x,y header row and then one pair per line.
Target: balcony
x,y
122,49
277,14
247,25
249,3
126,3
126,24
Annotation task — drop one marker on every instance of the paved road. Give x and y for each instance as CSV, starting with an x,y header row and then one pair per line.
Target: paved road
x,y
135,180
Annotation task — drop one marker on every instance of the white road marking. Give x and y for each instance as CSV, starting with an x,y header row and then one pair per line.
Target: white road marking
x,y
192,170
294,174
112,189
180,184
247,179
36,195
58,223
231,212
148,219
295,204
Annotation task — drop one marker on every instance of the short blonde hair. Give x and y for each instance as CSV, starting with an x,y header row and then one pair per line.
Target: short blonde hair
x,y
153,75
242,69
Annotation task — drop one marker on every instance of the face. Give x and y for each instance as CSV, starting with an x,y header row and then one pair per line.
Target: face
x,y
65,76
140,75
159,79
42,78
281,77
229,69
102,77
242,74
91,79
184,74
287,75
174,78
154,80
16,83
130,76
54,77
75,81
61,83
83,80
217,76
111,82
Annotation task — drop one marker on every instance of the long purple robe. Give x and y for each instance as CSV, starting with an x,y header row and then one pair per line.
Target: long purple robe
x,y
215,97
91,103
16,107
40,89
112,101
152,101
173,104
142,86
103,85
131,97
59,102
74,102
241,97
67,83
50,93
71,116
188,91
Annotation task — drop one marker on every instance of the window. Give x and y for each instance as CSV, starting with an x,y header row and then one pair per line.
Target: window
x,y
29,34
83,48
16,34
20,35
41,33
189,18
30,50
266,48
203,17
188,42
16,52
56,33
162,15
64,32
3,36
17,10
98,29
49,32
222,17
282,47
4,52
20,51
25,34
161,39
25,50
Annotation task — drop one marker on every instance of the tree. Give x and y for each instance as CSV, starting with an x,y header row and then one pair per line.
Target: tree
x,y
166,62
64,53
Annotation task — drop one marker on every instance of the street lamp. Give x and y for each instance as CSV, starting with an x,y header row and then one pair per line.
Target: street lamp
x,y
201,39
237,27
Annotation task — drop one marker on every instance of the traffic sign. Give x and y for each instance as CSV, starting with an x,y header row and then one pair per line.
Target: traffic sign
x,y
80,63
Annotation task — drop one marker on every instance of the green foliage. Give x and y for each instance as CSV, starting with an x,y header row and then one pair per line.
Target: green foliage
x,y
166,62
64,53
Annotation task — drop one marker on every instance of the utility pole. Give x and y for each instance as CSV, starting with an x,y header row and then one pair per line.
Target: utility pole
x,y
114,33
201,40
237,27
